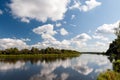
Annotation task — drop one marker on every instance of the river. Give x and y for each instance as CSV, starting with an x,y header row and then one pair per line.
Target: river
x,y
84,67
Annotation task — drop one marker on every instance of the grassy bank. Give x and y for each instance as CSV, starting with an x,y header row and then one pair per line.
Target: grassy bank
x,y
36,57
109,75
41,55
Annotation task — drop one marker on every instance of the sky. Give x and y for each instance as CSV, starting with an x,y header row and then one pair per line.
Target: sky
x,y
82,25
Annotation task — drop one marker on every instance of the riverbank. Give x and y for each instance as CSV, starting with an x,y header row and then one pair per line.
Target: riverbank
x,y
109,75
36,57
99,53
40,55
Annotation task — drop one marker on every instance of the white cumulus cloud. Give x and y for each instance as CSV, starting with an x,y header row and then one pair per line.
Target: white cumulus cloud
x,y
89,5
106,32
100,44
58,24
103,36
79,41
100,37
63,31
25,20
11,43
107,28
46,31
76,5
40,10
82,37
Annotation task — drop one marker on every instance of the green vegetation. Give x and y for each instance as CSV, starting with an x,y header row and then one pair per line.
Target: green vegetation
x,y
116,66
36,57
39,56
109,75
14,53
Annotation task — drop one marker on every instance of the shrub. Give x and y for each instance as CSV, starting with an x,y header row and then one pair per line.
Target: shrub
x,y
116,66
109,75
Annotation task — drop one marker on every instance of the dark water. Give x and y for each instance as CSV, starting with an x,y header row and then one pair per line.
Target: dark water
x,y
84,67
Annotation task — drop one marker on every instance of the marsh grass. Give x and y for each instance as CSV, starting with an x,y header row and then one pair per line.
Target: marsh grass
x,y
42,55
109,75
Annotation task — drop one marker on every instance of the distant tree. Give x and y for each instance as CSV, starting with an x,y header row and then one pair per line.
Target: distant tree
x,y
0,52
49,50
25,51
15,50
35,50
42,51
11,51
62,50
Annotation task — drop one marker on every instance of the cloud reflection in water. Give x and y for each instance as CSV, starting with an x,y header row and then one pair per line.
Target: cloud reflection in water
x,y
4,66
85,66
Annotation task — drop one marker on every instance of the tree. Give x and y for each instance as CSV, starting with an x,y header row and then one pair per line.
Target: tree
x,y
0,52
35,50
49,50
12,51
25,51
114,48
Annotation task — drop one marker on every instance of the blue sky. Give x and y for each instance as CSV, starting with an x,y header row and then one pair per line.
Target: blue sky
x,y
83,25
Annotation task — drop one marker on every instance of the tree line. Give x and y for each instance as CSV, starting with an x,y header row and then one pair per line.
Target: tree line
x,y
114,47
33,50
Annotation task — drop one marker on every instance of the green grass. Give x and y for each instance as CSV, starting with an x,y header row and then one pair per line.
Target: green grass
x,y
33,58
109,75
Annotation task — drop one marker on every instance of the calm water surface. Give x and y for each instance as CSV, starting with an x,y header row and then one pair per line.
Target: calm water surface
x,y
84,67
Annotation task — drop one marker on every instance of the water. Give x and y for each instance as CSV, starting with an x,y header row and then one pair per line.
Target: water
x,y
84,67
